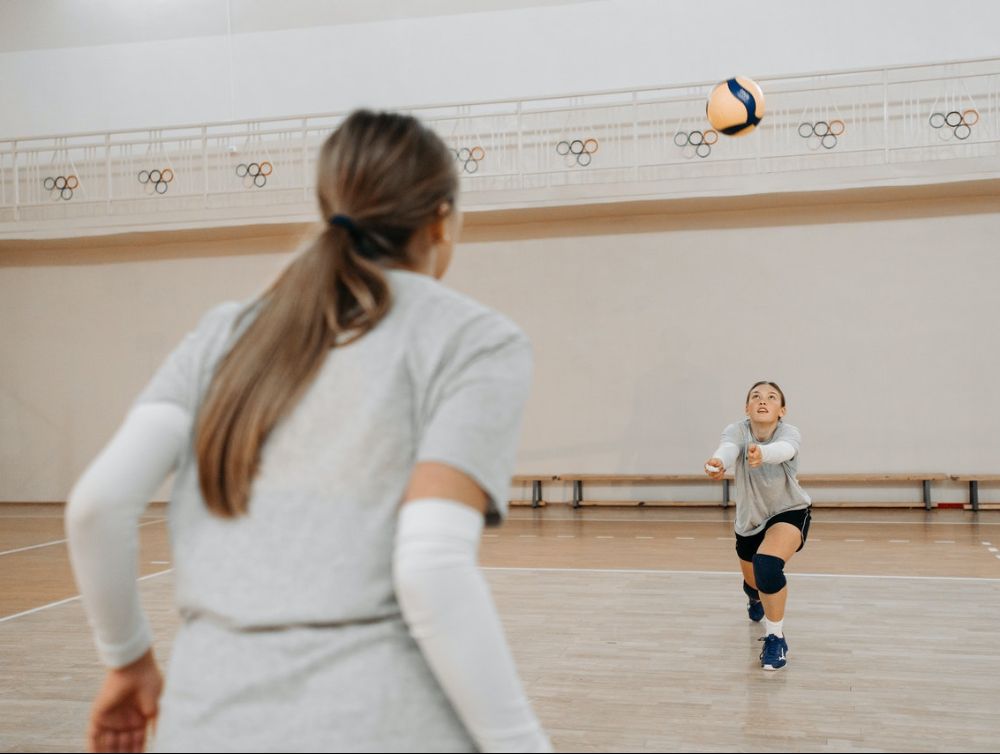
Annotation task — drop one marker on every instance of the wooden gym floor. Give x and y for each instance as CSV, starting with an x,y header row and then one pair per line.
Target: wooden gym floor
x,y
630,630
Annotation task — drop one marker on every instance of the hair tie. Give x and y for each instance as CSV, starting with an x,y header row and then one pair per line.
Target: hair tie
x,y
358,238
347,224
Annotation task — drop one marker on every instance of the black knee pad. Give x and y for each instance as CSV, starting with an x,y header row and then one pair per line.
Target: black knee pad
x,y
769,573
750,592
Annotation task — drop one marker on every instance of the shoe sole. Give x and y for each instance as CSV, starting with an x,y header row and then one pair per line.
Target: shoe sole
x,y
775,667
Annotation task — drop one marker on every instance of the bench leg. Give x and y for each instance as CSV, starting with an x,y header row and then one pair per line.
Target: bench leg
x,y
927,494
577,493
536,493
974,494
725,493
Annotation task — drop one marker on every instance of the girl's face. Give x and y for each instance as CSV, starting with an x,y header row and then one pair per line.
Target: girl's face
x,y
764,405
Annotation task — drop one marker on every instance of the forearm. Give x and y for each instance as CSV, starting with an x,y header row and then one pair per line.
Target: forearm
x,y
102,526
777,452
727,452
448,607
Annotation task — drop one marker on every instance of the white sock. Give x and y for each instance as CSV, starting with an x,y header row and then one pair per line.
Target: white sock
x,y
774,627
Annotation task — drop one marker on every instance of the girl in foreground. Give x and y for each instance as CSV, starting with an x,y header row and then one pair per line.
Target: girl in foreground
x,y
338,445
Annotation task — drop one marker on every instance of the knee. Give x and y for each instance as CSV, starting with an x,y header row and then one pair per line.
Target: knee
x,y
769,573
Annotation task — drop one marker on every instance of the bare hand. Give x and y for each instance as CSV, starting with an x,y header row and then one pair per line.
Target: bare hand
x,y
717,463
754,456
125,705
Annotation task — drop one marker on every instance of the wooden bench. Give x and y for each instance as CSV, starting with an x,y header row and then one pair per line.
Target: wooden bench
x,y
578,481
536,480
973,481
867,479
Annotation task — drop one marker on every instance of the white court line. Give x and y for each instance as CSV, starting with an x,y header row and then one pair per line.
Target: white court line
x,y
61,541
565,536
527,536
72,599
854,540
898,541
727,521
55,518
944,541
683,537
644,537
730,574
604,536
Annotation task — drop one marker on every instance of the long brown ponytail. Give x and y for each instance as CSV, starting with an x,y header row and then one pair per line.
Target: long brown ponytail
x,y
384,176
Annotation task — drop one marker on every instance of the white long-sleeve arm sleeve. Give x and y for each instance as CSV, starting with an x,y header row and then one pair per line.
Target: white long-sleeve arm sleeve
x,y
777,452
727,452
450,612
102,525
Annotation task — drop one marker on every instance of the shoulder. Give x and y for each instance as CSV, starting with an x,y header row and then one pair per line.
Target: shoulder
x,y
735,430
221,318
216,327
788,432
437,314
184,372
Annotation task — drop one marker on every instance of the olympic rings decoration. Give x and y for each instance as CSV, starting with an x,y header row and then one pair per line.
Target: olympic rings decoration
x,y
254,174
960,123
578,151
702,141
826,133
61,187
156,181
469,158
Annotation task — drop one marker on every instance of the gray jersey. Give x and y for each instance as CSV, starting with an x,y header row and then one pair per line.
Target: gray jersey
x,y
769,489
441,378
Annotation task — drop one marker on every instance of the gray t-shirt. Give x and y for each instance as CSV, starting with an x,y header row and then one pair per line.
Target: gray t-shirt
x,y
441,378
769,489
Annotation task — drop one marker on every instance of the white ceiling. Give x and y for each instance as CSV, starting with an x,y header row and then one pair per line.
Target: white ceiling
x,y
47,24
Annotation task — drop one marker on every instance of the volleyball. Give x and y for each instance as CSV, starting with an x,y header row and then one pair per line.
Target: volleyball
x,y
736,106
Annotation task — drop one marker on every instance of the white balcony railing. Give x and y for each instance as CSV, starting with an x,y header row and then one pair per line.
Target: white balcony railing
x,y
913,124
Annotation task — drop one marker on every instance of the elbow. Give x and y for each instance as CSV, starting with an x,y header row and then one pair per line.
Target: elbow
x,y
87,508
426,578
413,593
413,572
82,510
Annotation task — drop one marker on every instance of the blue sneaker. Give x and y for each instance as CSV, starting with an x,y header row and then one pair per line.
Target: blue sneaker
x,y
772,656
755,609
